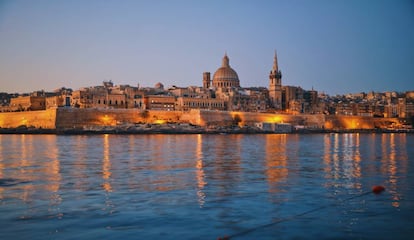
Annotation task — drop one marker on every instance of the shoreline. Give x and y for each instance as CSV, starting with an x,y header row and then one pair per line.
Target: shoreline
x,y
194,130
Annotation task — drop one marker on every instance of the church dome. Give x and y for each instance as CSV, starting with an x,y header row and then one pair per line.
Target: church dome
x,y
225,76
159,85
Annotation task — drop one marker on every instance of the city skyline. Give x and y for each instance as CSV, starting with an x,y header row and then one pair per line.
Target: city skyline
x,y
334,47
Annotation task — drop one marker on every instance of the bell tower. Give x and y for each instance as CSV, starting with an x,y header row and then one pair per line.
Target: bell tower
x,y
206,80
275,85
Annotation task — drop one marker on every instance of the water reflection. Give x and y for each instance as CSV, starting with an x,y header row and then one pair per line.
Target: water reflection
x,y
276,160
342,160
200,175
177,183
106,164
226,151
26,148
77,151
2,167
394,162
347,161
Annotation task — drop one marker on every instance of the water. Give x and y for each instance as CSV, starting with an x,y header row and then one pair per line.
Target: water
x,y
206,186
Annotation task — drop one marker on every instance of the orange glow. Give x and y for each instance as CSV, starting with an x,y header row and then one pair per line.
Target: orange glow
x,y
200,171
53,168
276,160
106,165
274,119
107,120
23,122
160,121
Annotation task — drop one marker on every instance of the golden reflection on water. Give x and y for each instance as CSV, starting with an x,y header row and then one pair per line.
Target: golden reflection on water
x,y
226,152
25,168
106,164
276,160
1,164
342,159
80,167
53,168
200,175
26,149
394,160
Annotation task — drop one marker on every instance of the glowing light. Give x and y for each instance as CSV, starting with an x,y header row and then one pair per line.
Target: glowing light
x,y
106,165
107,120
160,121
274,119
24,121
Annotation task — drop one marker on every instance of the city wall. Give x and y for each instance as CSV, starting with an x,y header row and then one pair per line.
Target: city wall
x,y
249,118
37,119
358,122
73,118
89,117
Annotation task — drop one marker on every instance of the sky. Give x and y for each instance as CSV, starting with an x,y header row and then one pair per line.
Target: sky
x,y
332,46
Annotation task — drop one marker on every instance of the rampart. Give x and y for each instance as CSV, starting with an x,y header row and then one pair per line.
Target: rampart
x,y
74,118
358,122
249,118
89,117
37,119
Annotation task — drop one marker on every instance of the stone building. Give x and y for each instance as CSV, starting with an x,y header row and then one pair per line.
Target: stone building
x,y
160,102
82,98
188,103
55,101
28,103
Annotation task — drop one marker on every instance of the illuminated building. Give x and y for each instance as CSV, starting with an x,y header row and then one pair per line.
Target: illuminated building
x,y
225,76
28,103
275,85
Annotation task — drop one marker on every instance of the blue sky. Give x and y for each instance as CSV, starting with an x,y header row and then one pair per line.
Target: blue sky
x,y
336,47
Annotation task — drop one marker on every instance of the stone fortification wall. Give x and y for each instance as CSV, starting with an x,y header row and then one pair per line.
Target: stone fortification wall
x,y
249,118
38,119
88,117
358,122
74,118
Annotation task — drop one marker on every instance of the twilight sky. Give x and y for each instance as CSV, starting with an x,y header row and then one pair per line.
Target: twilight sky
x,y
334,46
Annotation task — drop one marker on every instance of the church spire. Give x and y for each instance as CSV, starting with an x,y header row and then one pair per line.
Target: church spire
x,y
275,66
226,61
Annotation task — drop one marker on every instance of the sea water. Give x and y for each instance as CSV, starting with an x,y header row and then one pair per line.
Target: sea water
x,y
156,186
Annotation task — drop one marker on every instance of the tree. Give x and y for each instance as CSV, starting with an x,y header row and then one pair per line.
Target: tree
x,y
236,119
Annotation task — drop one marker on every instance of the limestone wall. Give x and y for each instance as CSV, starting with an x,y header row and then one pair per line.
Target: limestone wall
x,y
88,117
358,122
249,118
39,119
69,118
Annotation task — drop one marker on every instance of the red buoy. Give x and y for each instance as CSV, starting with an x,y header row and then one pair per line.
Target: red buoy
x,y
378,189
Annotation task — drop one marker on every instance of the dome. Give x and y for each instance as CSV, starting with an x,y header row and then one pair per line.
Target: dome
x,y
225,76
159,85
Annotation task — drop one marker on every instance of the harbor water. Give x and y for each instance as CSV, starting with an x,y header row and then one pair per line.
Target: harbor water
x,y
207,186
